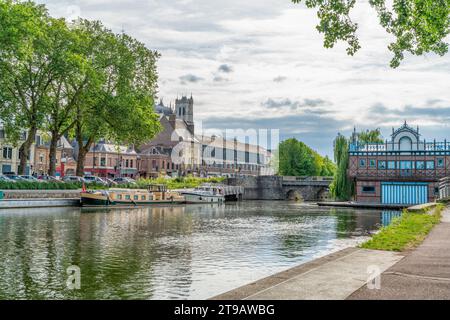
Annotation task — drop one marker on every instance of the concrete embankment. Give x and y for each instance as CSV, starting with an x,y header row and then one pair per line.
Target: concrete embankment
x,y
39,198
38,203
335,276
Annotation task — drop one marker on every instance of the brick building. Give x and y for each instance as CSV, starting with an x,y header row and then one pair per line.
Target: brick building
x,y
111,161
404,170
179,150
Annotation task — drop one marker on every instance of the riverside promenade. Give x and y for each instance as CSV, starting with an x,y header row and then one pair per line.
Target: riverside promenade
x,y
423,273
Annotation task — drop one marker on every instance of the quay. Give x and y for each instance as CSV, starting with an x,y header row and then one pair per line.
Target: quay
x,y
333,277
38,203
363,205
423,273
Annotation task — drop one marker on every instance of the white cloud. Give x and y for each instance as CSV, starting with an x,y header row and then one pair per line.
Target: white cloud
x,y
276,52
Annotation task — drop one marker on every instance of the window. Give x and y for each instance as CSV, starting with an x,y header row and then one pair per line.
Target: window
x,y
440,162
420,165
127,197
131,163
41,158
368,189
362,163
119,196
430,164
7,153
372,163
103,162
126,163
406,165
382,165
38,140
2,133
136,197
391,165
143,198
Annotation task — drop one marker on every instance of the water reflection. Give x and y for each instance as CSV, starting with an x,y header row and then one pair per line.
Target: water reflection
x,y
388,216
178,252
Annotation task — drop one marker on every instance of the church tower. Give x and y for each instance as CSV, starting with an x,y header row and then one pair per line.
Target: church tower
x,y
184,109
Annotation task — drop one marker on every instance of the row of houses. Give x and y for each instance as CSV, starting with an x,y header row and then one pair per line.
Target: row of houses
x,y
176,151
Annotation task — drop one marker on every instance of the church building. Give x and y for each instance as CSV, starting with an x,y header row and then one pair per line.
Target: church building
x,y
179,150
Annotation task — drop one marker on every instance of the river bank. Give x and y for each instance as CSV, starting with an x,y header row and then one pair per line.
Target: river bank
x,y
340,275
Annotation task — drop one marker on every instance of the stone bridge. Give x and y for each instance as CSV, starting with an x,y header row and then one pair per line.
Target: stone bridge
x,y
283,188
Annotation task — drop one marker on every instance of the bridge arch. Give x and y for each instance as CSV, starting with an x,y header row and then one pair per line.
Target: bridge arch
x,y
294,195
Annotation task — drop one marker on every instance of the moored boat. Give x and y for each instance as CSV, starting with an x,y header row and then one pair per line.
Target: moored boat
x,y
204,194
154,194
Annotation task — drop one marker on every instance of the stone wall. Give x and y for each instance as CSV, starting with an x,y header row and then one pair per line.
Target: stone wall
x,y
41,194
260,188
272,188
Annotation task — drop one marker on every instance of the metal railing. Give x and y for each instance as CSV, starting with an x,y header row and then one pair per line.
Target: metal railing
x,y
306,178
393,146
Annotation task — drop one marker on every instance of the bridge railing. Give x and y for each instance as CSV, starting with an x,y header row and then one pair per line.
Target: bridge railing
x,y
306,178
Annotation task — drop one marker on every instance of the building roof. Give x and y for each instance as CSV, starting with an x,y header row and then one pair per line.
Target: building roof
x,y
220,142
406,127
112,148
161,109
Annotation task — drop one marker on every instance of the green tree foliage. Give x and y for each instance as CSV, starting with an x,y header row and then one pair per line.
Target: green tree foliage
x,y
418,26
342,186
117,100
77,78
297,159
369,136
29,63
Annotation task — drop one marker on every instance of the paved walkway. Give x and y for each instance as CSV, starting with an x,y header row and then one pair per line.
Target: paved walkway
x,y
423,274
335,276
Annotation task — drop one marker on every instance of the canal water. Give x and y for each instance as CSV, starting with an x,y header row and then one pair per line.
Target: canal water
x,y
182,252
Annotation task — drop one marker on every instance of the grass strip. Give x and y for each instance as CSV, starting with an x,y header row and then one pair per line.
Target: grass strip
x,y
405,232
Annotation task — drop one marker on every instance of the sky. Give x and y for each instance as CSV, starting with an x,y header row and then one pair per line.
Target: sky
x,y
261,65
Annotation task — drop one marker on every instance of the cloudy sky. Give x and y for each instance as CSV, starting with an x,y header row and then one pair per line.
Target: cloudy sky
x,y
261,64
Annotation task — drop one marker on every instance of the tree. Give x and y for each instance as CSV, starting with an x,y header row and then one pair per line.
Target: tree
x,y
117,100
297,159
342,186
369,136
28,65
67,87
419,26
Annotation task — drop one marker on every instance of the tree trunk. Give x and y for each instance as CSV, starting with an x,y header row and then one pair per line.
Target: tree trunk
x,y
24,150
52,154
83,149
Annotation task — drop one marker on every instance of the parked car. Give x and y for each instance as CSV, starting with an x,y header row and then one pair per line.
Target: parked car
x,y
48,178
29,178
73,179
14,177
6,179
124,180
94,179
110,182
